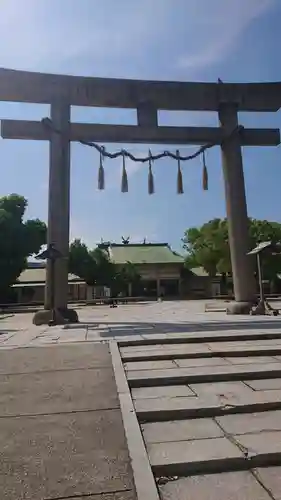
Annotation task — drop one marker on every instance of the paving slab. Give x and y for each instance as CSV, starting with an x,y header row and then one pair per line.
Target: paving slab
x,y
171,391
20,337
251,360
136,348
150,365
74,444
54,358
246,344
174,376
123,495
245,350
263,443
189,457
53,392
265,384
134,338
79,454
165,408
251,422
270,477
224,486
222,389
186,348
180,430
189,363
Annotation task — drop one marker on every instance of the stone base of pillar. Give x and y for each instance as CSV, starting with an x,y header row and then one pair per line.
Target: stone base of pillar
x,y
239,307
62,316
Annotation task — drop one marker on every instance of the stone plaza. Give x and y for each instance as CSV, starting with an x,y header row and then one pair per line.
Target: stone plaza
x,y
148,401
132,322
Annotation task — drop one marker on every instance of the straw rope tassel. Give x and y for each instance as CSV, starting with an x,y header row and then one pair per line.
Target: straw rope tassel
x,y
179,177
205,174
124,181
101,173
150,176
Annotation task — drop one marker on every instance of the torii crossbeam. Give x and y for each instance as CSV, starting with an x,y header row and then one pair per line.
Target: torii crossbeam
x,y
147,98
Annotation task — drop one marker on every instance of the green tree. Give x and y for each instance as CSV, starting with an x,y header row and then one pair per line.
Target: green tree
x,y
263,230
18,240
92,266
128,275
208,246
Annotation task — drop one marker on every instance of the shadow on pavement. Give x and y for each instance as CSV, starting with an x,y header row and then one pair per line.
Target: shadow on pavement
x,y
4,332
147,328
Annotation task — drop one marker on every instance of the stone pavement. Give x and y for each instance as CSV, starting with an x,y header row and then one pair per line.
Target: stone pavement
x,y
132,321
61,432
205,387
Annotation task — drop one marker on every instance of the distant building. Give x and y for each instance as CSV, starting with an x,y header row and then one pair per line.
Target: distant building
x,y
198,284
159,266
30,285
161,270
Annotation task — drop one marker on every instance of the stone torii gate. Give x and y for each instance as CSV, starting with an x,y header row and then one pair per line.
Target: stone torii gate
x,y
147,97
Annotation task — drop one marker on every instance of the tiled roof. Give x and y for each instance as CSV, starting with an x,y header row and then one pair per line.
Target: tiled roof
x,y
199,271
144,254
38,275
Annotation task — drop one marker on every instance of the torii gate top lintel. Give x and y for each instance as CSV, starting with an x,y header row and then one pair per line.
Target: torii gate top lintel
x,y
31,87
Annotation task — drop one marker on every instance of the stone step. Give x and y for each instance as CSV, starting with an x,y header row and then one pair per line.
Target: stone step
x,y
215,454
178,408
167,352
178,363
167,356
187,353
174,376
223,390
250,424
190,363
164,348
240,485
181,430
171,391
208,428
205,336
195,456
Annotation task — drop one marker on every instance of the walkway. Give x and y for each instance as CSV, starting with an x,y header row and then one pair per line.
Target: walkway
x,y
61,430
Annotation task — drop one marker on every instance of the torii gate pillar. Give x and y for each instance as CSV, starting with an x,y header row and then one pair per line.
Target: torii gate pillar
x,y
58,218
236,208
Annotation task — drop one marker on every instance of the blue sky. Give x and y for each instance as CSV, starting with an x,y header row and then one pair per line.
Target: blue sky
x,y
188,40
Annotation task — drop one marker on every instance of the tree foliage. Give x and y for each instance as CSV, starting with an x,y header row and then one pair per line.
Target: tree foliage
x,y
92,266
208,246
127,275
96,268
18,239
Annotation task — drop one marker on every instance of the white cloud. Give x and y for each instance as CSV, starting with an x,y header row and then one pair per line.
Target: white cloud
x,y
100,37
217,30
42,34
